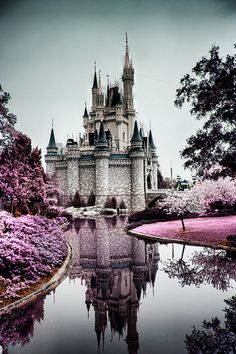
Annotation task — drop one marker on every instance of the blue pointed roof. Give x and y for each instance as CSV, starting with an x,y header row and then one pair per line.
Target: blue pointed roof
x,y
52,148
95,81
85,113
150,141
102,143
136,136
52,142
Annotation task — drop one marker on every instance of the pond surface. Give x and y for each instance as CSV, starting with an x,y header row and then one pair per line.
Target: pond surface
x,y
124,295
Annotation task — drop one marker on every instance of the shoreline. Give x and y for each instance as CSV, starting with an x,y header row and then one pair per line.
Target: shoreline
x,y
48,286
199,232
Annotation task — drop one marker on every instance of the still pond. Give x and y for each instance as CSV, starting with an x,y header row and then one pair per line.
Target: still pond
x,y
124,295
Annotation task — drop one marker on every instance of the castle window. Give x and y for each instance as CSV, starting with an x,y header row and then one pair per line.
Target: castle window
x,y
124,136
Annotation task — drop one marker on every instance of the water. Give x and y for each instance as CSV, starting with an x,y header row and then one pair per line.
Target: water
x,y
124,296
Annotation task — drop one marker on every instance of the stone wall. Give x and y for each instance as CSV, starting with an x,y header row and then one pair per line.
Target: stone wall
x,y
137,182
87,178
119,176
120,180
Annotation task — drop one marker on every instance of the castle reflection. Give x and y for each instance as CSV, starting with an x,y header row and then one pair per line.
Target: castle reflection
x,y
116,270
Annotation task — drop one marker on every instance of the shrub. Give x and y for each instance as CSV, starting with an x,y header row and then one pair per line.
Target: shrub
x,y
78,202
122,205
91,199
30,248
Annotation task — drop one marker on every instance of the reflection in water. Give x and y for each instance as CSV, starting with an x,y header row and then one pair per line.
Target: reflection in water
x,y
116,269
215,338
206,266
18,327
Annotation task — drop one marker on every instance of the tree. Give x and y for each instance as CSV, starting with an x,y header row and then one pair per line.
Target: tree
x,y
215,338
24,187
7,120
78,202
211,91
91,199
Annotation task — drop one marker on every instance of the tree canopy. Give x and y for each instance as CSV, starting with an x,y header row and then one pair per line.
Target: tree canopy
x,y
7,120
23,184
211,92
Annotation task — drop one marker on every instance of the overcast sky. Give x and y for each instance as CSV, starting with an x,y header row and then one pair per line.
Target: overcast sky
x,y
48,49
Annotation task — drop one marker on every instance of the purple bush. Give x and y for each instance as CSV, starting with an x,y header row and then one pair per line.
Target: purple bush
x,y
30,248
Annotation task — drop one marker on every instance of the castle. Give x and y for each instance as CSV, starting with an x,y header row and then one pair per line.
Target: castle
x,y
113,158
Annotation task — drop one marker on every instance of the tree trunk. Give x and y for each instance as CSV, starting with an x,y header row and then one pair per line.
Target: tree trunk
x,y
182,253
182,221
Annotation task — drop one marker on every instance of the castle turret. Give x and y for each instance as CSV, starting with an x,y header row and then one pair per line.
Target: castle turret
x,y
102,154
152,150
137,171
72,158
128,79
52,155
85,117
128,82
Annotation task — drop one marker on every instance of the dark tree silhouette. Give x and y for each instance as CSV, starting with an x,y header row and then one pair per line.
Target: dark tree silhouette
x,y
211,91
214,338
207,266
78,202
91,199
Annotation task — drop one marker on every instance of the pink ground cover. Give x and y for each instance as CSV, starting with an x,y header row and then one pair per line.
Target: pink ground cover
x,y
211,230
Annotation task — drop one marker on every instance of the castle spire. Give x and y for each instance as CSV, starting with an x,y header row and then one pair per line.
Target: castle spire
x,y
136,136
99,80
52,142
102,143
85,112
127,61
95,81
150,141
108,92
52,148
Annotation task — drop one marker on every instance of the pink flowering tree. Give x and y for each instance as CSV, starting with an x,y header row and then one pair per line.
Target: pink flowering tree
x,y
24,186
214,194
7,120
206,196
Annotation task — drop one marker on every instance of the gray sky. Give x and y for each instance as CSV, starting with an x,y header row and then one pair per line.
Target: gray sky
x,y
48,48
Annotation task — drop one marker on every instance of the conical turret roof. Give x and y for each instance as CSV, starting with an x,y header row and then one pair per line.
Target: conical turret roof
x,y
95,81
150,141
85,113
52,142
102,143
136,136
52,148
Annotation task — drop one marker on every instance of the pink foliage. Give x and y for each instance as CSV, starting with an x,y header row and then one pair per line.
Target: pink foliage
x,y
30,248
205,230
205,196
24,187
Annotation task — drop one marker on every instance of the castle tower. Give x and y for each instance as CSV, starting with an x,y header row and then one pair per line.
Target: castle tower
x,y
136,153
128,82
72,159
102,154
52,155
152,149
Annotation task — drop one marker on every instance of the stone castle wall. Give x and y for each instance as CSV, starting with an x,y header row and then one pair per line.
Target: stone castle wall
x,y
103,176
